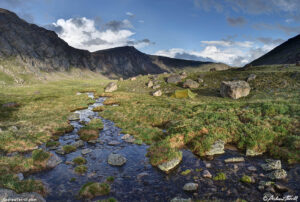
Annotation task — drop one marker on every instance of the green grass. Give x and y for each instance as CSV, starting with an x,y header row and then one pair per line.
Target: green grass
x,y
93,189
52,144
79,160
81,169
186,172
220,177
69,148
110,179
108,200
91,130
40,155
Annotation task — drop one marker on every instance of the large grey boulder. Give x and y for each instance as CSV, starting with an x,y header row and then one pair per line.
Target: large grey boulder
x,y
174,79
216,148
9,195
234,89
53,161
189,83
111,87
169,165
116,160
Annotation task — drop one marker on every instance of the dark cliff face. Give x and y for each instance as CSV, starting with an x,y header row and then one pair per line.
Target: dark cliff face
x,y
286,53
40,48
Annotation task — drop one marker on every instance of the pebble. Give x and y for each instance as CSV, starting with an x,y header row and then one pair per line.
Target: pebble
x,y
252,168
191,186
206,174
86,151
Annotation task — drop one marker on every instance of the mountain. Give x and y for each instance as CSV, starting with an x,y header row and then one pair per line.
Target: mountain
x,y
286,53
38,48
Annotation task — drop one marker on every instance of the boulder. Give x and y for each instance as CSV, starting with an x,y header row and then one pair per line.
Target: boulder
x,y
53,161
191,186
277,174
150,84
174,79
251,77
157,93
169,165
234,89
116,160
74,117
189,83
216,148
234,160
9,195
271,165
111,87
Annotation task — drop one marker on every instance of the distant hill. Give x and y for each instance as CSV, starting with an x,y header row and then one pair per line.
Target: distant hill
x,y
286,53
38,48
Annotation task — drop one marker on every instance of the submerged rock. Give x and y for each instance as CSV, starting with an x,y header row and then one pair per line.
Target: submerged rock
x,y
86,151
9,195
271,165
190,186
251,168
116,160
111,87
53,161
277,174
169,165
234,160
114,143
216,148
234,89
74,117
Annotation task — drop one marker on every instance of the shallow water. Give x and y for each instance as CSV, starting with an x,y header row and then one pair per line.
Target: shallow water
x,y
137,180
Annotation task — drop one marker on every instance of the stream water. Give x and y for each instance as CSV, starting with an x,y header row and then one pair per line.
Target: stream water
x,y
137,180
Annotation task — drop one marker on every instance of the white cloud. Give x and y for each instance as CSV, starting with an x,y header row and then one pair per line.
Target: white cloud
x,y
235,53
129,14
82,33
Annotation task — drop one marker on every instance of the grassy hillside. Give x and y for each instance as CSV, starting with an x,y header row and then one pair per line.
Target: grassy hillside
x,y
267,120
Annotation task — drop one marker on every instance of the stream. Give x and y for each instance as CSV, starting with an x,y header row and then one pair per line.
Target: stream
x,y
137,180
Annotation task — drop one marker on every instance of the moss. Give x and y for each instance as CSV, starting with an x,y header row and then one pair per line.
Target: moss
x,y
73,179
40,155
69,148
246,179
91,130
108,200
93,189
79,160
81,169
220,176
98,109
110,179
186,172
52,144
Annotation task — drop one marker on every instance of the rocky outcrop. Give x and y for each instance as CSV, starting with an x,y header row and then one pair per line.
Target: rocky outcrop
x,y
234,89
111,87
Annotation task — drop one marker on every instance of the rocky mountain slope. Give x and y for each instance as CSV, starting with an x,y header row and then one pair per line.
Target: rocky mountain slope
x,y
38,48
286,53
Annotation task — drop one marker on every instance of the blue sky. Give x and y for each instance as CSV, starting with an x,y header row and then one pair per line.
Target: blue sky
x,y
230,31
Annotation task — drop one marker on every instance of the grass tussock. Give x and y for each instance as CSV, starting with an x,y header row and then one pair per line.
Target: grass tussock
x,y
91,130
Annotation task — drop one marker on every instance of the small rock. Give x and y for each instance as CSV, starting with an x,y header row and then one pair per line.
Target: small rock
x,y
78,93
60,150
156,87
53,161
200,80
206,174
277,174
157,93
281,188
174,79
114,143
111,87
177,199
190,186
128,138
121,79
132,78
252,168
207,165
216,148
251,77
74,117
183,75
13,128
251,152
271,165
189,83
86,151
150,84
234,160
78,144
116,160
141,175
20,176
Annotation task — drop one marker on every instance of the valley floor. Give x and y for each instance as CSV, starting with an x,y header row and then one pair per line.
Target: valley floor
x,y
266,121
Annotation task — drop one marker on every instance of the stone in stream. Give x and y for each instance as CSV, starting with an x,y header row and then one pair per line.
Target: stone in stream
x,y
111,87
169,165
141,175
128,138
234,160
216,148
207,165
234,89
86,151
206,174
251,152
277,174
53,161
191,186
20,176
114,143
9,195
78,144
252,168
271,165
116,159
177,199
74,117
60,150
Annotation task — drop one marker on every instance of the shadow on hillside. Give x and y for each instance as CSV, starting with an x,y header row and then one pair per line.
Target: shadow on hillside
x,y
207,92
6,112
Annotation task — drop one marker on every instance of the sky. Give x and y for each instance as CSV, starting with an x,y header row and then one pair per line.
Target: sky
x,y
234,32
